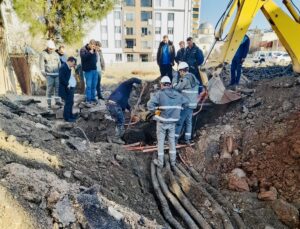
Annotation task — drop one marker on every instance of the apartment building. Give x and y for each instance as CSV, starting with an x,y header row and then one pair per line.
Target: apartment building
x,y
133,30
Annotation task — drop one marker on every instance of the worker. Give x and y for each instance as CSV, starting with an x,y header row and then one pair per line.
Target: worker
x,y
165,57
49,65
118,102
67,84
167,104
180,53
237,61
188,85
194,58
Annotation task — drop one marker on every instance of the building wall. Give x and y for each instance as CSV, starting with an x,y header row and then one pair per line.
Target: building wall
x,y
177,28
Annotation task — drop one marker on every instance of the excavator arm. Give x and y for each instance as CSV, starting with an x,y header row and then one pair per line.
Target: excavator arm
x,y
286,27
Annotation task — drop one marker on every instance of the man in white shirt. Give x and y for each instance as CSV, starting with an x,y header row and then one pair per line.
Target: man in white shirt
x,y
67,85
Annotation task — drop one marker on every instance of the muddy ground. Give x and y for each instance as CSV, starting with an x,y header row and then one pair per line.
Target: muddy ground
x,y
56,178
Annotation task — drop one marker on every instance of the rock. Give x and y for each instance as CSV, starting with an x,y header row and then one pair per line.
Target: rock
x,y
67,174
114,213
11,138
40,126
238,184
238,173
77,174
269,227
286,212
268,195
53,198
236,152
287,105
245,110
77,144
63,212
119,157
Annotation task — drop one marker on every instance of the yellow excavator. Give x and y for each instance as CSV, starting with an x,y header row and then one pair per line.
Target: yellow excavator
x,y
286,26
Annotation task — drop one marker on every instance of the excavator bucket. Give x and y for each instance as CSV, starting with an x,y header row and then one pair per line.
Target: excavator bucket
x,y
216,91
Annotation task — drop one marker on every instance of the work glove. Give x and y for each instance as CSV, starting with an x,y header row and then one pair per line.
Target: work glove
x,y
150,115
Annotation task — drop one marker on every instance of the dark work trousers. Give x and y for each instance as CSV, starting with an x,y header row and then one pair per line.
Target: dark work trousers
x,y
98,87
69,101
236,71
166,70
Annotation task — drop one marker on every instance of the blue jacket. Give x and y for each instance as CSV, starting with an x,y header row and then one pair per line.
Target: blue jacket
x,y
64,77
122,93
170,102
180,55
188,86
160,53
243,50
88,60
193,56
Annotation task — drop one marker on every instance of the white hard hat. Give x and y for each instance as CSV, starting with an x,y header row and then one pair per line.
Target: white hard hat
x,y
165,79
182,65
50,44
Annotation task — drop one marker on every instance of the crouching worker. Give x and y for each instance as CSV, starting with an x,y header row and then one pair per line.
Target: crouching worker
x,y
188,85
67,84
118,103
167,104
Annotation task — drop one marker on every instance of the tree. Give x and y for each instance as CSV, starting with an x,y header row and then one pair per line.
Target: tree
x,y
61,19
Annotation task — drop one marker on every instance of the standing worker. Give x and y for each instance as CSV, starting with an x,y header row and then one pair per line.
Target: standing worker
x,y
188,85
89,67
49,65
67,84
193,57
118,103
180,53
167,104
100,68
61,53
165,57
238,60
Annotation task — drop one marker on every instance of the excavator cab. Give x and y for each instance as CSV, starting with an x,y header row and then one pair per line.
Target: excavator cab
x,y
287,28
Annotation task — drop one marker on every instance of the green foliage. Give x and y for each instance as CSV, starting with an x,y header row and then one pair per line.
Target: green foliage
x,y
65,18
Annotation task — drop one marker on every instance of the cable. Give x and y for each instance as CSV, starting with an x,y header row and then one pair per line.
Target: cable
x,y
295,6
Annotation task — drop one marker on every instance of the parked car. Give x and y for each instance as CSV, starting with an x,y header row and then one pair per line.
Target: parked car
x,y
282,59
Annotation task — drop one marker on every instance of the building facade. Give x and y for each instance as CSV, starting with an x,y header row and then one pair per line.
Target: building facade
x,y
133,30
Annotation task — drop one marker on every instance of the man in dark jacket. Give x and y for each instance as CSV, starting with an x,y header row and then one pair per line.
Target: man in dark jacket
x,y
165,57
89,67
118,103
193,57
180,53
61,52
237,61
67,84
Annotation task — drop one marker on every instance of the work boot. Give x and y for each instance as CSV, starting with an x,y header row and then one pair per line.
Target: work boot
x,y
173,167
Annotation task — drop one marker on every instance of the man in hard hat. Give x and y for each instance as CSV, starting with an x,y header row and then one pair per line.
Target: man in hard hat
x,y
118,102
49,65
167,104
188,85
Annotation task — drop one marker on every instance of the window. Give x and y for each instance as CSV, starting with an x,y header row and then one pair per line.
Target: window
x,y
129,2
145,15
171,3
129,17
145,31
158,16
170,16
144,57
170,30
117,29
130,57
146,3
144,44
129,31
157,44
157,30
196,9
195,15
104,43
118,44
118,57
103,29
117,15
130,43
157,2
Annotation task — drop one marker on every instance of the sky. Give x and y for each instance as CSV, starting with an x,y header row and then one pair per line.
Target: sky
x,y
211,11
